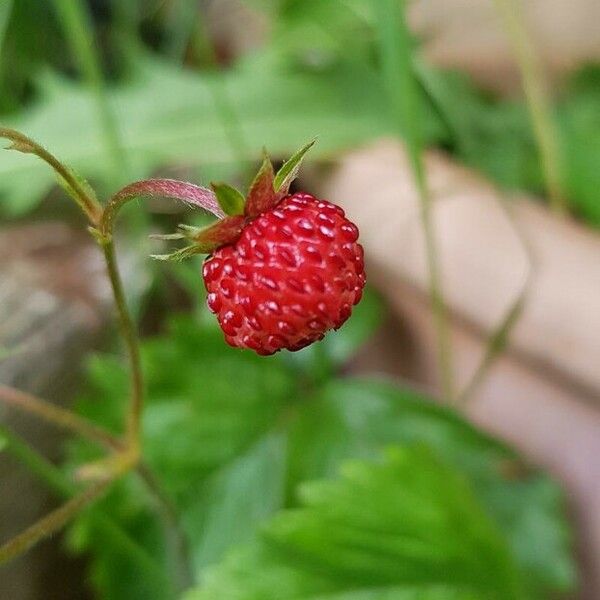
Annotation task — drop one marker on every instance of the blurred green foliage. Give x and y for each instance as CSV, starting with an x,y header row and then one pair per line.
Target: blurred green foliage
x,y
288,480
409,502
317,73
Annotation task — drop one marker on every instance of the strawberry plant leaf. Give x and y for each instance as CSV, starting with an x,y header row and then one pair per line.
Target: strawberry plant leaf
x,y
231,456
184,126
230,200
290,168
357,417
408,526
237,499
261,195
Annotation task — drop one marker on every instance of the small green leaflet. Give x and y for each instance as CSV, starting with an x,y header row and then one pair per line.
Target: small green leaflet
x,y
406,527
230,200
290,168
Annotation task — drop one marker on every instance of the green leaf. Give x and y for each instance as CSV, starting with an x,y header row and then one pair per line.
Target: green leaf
x,y
232,201
275,109
237,500
230,440
407,527
355,418
207,437
290,168
3,441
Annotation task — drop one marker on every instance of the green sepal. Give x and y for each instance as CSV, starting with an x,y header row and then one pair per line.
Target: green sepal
x,y
232,201
180,254
166,237
204,239
191,232
262,195
289,169
186,232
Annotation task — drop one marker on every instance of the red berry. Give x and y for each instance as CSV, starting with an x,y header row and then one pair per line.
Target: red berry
x,y
294,273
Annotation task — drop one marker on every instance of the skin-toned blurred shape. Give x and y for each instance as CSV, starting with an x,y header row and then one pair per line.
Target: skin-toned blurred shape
x,y
468,35
542,395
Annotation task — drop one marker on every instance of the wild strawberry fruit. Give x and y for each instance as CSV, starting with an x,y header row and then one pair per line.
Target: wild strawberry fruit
x,y
294,273
284,269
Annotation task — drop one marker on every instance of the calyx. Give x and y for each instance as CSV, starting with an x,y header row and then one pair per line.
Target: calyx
x,y
265,192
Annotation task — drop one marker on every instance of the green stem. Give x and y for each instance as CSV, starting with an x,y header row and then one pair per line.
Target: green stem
x,y
396,57
58,416
86,201
79,32
180,23
56,481
226,112
125,28
52,522
36,464
5,11
537,101
129,333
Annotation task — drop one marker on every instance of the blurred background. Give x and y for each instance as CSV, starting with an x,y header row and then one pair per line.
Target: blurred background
x,y
486,113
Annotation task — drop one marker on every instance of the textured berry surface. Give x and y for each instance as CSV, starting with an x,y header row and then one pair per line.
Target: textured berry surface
x,y
294,273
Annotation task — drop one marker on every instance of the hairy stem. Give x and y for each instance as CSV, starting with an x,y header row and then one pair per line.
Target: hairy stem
x,y
36,464
537,101
55,415
79,32
396,57
86,201
49,474
129,333
52,522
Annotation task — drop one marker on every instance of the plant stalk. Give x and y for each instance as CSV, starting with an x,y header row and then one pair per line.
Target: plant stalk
x,y
128,331
397,71
52,522
537,101
88,203
65,419
57,482
78,30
